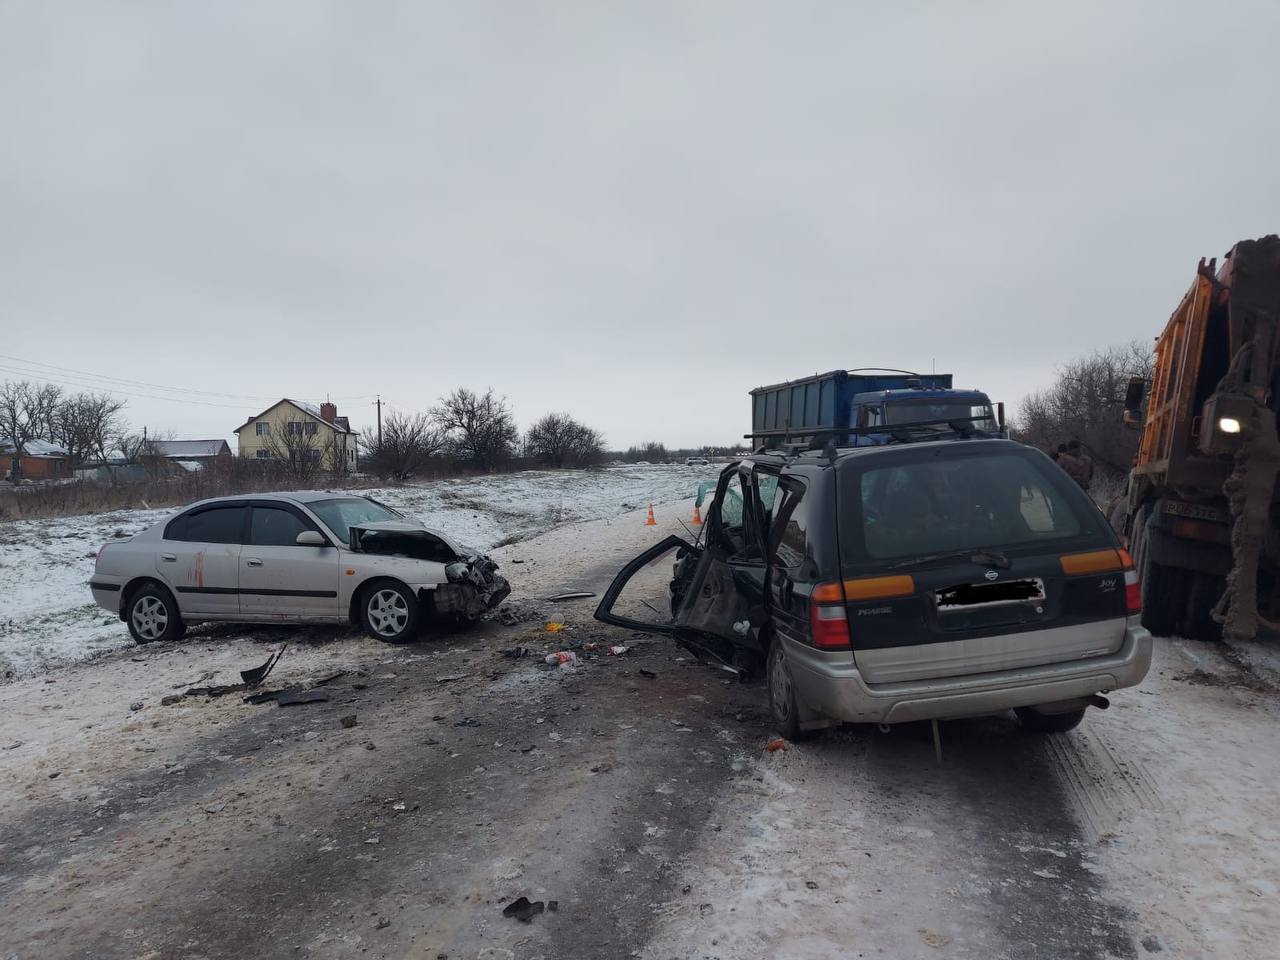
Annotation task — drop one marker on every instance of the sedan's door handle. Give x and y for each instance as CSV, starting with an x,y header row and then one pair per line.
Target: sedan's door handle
x,y
168,558
253,563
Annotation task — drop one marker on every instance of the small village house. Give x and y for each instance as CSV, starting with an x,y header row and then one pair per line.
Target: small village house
x,y
40,460
291,429
199,453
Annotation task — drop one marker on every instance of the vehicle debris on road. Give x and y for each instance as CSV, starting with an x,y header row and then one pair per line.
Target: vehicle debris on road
x,y
523,910
561,658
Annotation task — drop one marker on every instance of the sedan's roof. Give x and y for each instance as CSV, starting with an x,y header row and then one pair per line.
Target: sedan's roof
x,y
296,496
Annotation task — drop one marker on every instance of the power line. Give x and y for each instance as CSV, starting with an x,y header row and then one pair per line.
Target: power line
x,y
108,380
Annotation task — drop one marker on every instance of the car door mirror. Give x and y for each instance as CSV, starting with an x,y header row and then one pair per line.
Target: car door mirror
x,y
310,538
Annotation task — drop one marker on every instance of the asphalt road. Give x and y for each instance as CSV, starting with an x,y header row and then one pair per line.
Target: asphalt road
x,y
645,806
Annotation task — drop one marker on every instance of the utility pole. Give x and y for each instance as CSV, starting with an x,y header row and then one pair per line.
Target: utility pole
x,y
378,404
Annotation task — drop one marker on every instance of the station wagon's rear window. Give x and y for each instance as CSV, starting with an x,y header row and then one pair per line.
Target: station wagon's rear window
x,y
945,503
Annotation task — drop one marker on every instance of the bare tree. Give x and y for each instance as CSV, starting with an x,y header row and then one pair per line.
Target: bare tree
x,y
560,441
651,451
26,410
87,425
408,443
303,449
1085,402
481,429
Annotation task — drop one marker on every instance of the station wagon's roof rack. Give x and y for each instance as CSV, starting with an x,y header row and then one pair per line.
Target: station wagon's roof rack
x,y
838,438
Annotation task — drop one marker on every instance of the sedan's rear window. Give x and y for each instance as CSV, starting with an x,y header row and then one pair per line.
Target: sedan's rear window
x,y
956,502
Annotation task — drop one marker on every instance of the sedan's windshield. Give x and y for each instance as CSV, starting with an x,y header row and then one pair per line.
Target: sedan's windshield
x,y
340,515
958,503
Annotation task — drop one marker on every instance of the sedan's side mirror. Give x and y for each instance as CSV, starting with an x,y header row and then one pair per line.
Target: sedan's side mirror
x,y
310,538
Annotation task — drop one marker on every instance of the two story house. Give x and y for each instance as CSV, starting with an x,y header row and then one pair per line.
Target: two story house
x,y
290,429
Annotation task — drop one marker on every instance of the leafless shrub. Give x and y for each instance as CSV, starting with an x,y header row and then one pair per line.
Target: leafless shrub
x,y
1086,403
481,429
558,440
408,445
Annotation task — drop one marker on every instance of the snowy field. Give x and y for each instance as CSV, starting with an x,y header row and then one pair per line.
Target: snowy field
x,y
48,618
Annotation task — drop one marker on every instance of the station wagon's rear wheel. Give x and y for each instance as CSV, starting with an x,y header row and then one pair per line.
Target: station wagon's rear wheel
x,y
782,695
389,612
152,614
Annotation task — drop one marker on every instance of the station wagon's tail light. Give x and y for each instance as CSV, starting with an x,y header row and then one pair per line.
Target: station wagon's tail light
x,y
1132,588
1096,561
829,626
828,619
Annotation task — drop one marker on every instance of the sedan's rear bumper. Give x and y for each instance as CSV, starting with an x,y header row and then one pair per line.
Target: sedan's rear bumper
x,y
831,687
106,592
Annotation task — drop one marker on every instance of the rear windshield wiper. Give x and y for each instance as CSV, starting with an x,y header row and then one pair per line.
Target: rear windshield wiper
x,y
984,558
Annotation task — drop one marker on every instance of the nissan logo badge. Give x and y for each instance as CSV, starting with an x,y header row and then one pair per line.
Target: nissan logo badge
x,y
991,574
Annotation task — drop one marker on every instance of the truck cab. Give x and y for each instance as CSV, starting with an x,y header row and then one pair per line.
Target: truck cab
x,y
920,405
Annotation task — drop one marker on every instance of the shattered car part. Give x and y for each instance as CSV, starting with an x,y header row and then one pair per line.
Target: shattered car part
x,y
255,676
523,910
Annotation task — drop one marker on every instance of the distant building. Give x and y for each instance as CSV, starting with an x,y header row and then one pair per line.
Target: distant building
x,y
40,460
193,451
290,429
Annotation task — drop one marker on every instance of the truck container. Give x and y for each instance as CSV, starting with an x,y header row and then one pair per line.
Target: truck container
x,y
863,407
1199,512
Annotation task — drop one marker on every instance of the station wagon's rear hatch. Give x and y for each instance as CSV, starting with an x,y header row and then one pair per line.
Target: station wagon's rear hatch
x,y
962,545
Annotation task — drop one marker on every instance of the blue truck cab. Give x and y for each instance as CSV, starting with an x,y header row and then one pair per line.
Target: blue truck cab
x,y
860,408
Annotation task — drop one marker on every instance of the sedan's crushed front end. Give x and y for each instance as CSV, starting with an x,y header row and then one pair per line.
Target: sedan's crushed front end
x,y
470,584
474,586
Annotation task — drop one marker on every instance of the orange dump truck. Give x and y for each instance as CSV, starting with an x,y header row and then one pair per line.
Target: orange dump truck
x,y
1200,515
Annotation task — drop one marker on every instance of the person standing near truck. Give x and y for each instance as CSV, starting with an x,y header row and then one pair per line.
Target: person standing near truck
x,y
1077,464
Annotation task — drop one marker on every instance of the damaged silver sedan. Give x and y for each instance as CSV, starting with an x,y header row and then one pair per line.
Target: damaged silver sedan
x,y
309,557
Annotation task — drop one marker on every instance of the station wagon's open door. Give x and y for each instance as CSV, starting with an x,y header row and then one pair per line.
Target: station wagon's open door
x,y
710,596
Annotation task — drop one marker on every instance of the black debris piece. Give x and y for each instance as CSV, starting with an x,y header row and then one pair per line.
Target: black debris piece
x,y
578,595
602,768
515,653
432,742
523,910
648,673
529,749
811,885
553,905
449,678
348,721
289,696
467,722
329,679
255,676
293,698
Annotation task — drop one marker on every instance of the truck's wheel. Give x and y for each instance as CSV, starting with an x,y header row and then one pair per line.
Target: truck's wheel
x,y
1203,593
1162,596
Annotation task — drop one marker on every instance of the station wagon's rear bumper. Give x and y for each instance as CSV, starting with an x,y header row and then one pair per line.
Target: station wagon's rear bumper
x,y
830,686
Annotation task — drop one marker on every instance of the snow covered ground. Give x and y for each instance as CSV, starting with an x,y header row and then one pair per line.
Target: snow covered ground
x,y
47,616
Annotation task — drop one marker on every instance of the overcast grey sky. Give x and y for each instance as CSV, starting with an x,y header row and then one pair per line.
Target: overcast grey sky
x,y
633,212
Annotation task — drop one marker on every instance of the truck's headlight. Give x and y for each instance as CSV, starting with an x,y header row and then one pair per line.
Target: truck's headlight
x,y
1228,424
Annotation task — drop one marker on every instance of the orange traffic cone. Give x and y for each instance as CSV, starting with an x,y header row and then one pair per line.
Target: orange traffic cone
x,y
697,516
649,521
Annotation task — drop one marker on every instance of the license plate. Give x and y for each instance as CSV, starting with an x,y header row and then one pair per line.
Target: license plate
x,y
970,596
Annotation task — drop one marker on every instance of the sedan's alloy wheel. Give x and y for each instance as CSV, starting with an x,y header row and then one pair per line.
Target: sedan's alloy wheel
x,y
150,617
388,613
